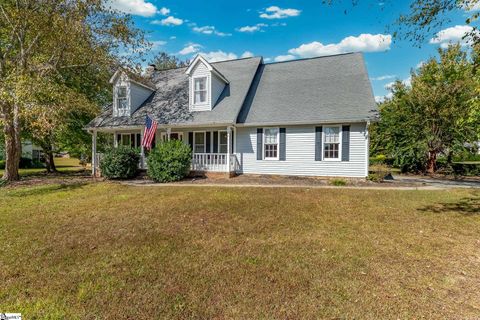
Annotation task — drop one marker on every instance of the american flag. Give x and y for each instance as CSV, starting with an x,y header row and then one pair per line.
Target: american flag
x,y
149,133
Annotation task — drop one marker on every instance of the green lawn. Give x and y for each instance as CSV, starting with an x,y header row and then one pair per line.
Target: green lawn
x,y
66,165
107,251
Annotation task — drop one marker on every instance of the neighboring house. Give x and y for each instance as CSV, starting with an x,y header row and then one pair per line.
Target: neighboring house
x,y
305,117
31,151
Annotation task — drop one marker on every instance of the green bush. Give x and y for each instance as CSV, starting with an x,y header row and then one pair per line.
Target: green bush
x,y
378,172
25,163
120,163
169,161
338,182
2,164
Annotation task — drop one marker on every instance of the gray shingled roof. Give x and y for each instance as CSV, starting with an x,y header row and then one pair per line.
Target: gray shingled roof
x,y
325,89
322,89
169,104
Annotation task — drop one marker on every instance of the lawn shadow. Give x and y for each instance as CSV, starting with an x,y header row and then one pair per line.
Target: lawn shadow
x,y
467,206
46,189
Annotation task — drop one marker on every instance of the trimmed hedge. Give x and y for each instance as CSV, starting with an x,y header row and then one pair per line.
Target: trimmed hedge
x,y
120,163
169,161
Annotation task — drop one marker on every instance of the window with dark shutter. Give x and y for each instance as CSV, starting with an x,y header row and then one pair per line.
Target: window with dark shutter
x,y
259,143
345,143
318,143
283,147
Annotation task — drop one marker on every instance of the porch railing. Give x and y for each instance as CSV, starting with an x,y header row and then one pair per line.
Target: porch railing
x,y
214,162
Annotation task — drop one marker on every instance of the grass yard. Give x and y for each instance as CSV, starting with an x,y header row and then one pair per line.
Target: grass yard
x,y
64,165
107,251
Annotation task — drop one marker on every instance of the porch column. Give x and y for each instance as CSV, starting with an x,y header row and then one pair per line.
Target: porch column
x,y
94,153
142,150
115,139
169,132
229,147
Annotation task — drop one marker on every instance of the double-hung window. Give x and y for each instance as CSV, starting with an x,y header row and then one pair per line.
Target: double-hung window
x,y
199,142
270,143
200,90
331,140
122,101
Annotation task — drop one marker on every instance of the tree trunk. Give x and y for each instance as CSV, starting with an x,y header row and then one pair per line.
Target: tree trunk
x,y
432,162
49,159
13,145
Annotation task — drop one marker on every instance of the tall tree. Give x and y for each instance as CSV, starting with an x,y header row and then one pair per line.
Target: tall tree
x,y
438,114
165,61
39,41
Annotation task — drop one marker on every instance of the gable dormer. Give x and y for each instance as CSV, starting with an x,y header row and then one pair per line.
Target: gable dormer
x,y
129,92
205,85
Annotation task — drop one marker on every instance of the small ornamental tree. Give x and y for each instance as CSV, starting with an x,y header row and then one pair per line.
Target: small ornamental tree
x,y
120,163
169,161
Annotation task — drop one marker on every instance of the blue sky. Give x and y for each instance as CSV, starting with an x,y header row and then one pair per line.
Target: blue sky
x,y
282,30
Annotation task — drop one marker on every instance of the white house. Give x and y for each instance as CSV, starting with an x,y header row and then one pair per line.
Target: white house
x,y
305,117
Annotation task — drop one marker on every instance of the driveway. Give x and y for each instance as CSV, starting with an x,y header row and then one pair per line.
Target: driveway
x,y
437,182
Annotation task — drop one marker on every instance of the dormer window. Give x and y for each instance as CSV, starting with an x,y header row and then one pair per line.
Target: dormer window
x,y
122,100
205,85
200,90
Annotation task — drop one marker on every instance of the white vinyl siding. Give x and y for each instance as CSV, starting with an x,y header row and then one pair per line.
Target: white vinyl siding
x,y
217,88
300,154
214,87
199,71
138,95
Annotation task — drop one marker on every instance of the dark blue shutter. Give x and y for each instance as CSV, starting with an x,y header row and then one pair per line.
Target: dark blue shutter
x,y
207,147
318,143
215,141
345,143
190,139
283,149
259,144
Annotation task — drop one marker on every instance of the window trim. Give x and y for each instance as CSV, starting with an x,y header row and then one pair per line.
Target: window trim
x,y
278,144
127,100
340,143
219,144
129,135
206,91
163,136
204,142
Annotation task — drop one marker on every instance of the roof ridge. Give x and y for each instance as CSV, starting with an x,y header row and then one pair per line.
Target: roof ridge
x,y
314,58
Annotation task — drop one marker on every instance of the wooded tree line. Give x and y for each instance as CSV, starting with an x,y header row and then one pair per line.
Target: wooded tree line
x,y
56,57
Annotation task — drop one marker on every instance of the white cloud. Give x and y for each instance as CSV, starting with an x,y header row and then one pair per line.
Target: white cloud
x,y
247,54
134,7
286,57
189,49
407,82
452,35
173,37
170,21
420,64
267,59
209,30
257,27
275,12
164,11
219,55
383,78
364,42
381,99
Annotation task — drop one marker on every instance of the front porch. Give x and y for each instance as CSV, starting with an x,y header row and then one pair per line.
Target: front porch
x,y
213,149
